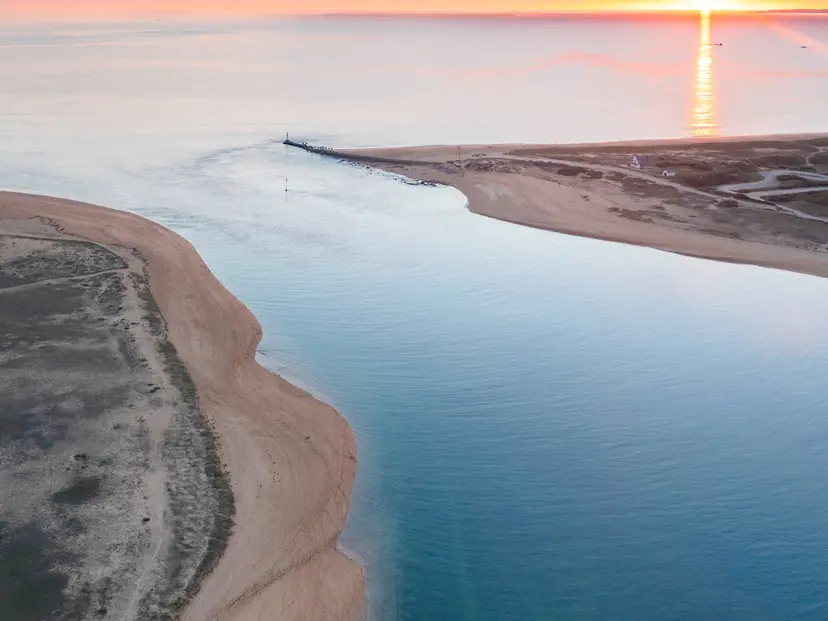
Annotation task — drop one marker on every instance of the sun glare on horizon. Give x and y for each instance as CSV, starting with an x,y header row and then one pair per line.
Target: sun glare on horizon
x,y
707,6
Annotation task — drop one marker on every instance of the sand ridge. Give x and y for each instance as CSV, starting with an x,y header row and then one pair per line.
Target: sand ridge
x,y
290,457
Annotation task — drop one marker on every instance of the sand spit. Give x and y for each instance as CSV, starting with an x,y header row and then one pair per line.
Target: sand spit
x,y
589,191
291,459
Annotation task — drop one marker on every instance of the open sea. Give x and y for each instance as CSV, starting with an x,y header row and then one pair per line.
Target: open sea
x,y
549,427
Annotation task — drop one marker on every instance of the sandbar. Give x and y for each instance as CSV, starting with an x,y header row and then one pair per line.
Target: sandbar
x,y
589,190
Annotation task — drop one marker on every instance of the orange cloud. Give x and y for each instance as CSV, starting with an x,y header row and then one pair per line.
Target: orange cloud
x,y
81,8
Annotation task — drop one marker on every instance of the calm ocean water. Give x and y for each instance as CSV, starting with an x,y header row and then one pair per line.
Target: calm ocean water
x,y
549,427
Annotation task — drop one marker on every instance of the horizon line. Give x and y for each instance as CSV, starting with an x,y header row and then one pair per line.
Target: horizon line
x,y
542,13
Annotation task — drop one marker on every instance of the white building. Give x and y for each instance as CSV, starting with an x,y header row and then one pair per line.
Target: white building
x,y
642,161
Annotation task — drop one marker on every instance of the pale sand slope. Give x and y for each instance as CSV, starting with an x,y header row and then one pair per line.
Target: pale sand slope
x,y
579,207
291,458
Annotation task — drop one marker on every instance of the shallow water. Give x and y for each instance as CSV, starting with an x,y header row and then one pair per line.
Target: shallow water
x,y
549,427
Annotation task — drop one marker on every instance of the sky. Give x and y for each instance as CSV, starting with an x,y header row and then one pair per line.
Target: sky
x,y
87,8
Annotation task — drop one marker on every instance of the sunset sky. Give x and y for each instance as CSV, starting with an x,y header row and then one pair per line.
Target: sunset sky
x,y
80,8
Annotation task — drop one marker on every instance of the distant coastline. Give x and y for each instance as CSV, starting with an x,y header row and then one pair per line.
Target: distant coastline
x,y
588,190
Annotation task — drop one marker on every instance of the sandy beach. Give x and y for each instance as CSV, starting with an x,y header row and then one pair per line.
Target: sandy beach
x,y
291,459
525,184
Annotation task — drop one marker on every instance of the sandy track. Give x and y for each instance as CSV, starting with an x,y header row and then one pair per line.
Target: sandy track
x,y
291,458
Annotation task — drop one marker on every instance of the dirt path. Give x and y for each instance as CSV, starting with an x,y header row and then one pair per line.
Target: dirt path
x,y
770,182
51,281
810,157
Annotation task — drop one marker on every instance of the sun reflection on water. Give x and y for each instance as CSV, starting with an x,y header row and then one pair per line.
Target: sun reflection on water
x,y
703,122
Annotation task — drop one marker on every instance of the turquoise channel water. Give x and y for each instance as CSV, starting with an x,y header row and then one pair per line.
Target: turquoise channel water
x,y
549,427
